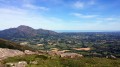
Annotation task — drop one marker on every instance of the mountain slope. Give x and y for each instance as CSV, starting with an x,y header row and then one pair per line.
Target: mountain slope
x,y
24,32
44,32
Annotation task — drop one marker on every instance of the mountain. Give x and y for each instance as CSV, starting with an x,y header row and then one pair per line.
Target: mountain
x,y
24,32
11,45
46,32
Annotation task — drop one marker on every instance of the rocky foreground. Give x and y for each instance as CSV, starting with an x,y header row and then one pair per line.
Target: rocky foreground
x,y
5,53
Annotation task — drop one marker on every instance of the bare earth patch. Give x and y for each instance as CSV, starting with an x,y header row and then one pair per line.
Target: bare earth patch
x,y
85,49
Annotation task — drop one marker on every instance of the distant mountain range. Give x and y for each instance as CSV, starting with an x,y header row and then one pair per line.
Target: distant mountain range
x,y
24,32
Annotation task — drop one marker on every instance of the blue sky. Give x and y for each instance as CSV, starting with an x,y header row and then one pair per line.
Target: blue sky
x,y
61,14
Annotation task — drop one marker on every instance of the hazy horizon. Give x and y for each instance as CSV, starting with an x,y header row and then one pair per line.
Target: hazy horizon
x,y
61,14
87,30
60,31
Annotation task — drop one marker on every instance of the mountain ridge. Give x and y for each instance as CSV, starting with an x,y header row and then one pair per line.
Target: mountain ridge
x,y
23,31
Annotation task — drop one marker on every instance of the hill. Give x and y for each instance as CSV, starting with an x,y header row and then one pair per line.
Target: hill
x,y
12,45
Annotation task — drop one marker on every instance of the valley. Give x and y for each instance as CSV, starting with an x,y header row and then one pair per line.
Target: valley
x,y
64,49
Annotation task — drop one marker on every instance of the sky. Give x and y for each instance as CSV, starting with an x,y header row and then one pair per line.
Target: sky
x,y
61,14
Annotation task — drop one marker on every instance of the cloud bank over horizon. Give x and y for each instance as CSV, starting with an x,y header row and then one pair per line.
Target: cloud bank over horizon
x,y
61,14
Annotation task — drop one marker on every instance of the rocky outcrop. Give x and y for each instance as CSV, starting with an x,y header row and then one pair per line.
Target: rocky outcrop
x,y
111,57
4,53
71,55
29,52
64,54
53,53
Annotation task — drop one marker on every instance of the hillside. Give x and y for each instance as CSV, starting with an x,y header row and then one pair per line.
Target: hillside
x,y
12,45
24,32
54,61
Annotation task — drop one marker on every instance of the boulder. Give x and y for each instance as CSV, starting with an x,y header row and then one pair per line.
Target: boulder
x,y
29,52
4,53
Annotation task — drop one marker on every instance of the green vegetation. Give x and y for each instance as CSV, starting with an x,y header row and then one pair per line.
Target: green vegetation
x,y
54,61
12,45
102,43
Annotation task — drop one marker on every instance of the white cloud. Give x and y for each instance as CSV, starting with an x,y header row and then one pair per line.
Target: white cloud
x,y
31,6
12,11
83,4
83,16
15,17
108,19
78,4
25,4
12,16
